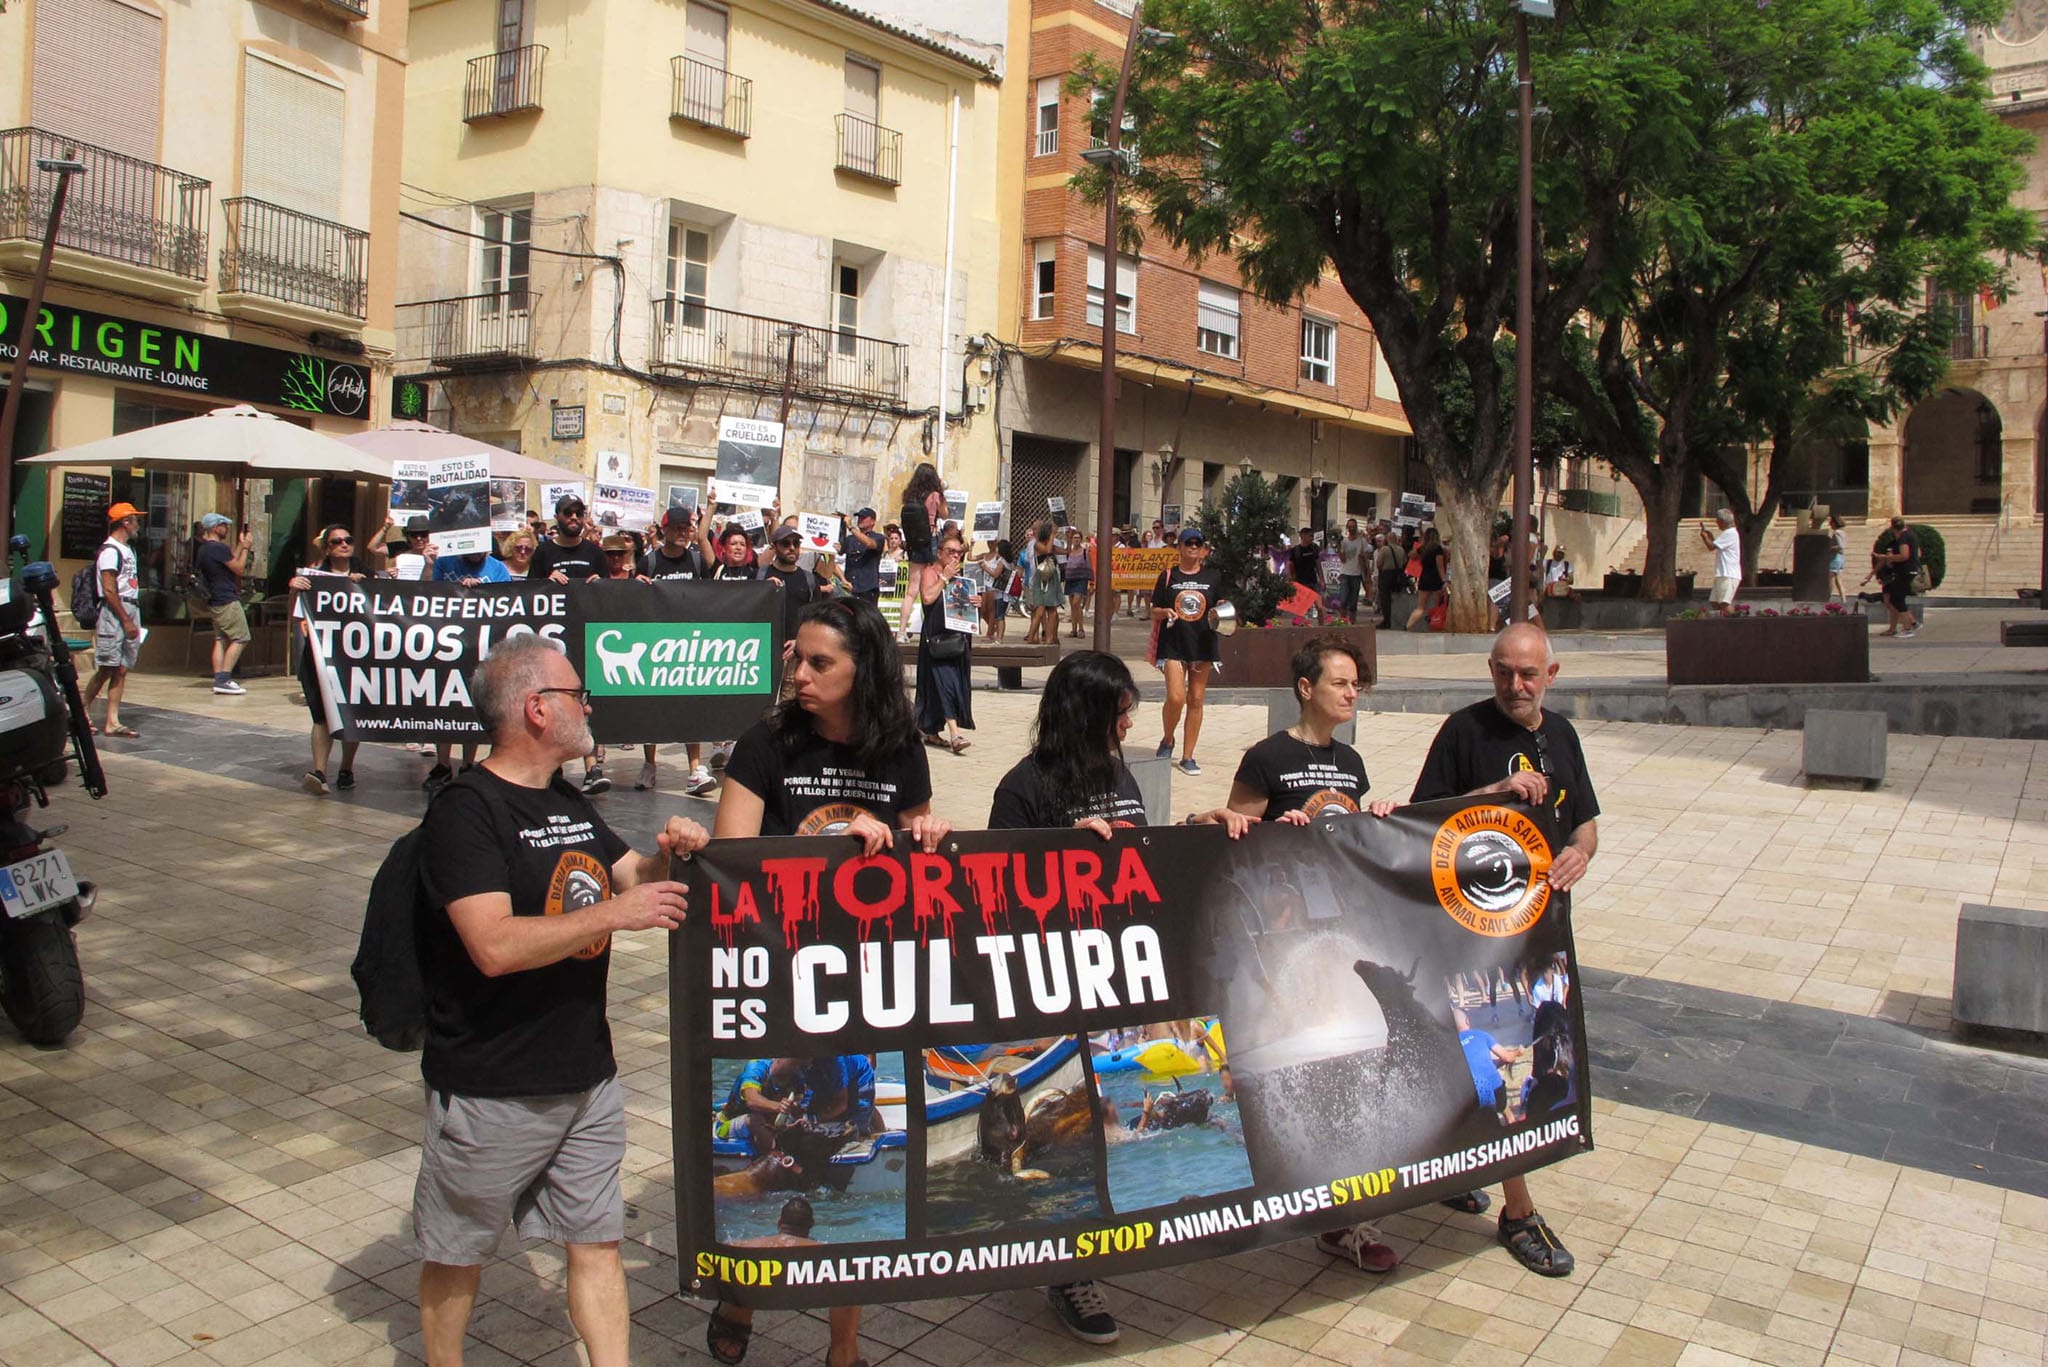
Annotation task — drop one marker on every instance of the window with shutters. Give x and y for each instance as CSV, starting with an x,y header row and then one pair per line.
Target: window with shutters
x,y
291,139
98,77
846,306
1044,275
1126,291
688,276
503,261
1048,116
1216,317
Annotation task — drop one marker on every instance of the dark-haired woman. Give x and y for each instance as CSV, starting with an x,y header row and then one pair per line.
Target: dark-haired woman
x,y
1075,775
944,698
1429,586
924,511
338,560
841,758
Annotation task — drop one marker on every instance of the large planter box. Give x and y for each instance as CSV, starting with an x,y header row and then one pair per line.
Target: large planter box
x,y
1262,657
1768,650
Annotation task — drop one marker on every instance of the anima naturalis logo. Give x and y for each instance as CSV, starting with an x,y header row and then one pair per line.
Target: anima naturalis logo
x,y
641,659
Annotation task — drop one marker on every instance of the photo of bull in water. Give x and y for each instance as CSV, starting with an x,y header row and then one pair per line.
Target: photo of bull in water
x,y
830,1127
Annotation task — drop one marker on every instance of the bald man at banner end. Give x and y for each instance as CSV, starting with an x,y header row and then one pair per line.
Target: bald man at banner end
x,y
1509,745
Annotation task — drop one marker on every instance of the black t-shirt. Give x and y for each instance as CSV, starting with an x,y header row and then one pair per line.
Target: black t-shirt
x,y
541,1031
1480,745
726,570
1305,564
578,562
1294,776
223,585
1025,801
798,589
656,564
820,787
1904,570
1187,635
863,564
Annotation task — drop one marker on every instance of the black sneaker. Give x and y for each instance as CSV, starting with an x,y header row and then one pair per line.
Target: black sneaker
x,y
345,780
315,782
1083,1312
594,781
437,778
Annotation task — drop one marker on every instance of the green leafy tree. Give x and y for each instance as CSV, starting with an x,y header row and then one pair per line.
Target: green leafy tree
x,y
1249,516
1841,156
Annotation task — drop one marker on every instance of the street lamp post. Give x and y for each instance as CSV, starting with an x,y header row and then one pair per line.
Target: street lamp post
x,y
1110,158
1525,308
64,168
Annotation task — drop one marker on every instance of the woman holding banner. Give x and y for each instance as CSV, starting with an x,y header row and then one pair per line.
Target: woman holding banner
x,y
1075,775
337,560
847,729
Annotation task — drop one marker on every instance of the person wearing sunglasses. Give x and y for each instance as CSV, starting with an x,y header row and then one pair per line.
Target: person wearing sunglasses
x,y
526,888
338,560
1509,745
569,556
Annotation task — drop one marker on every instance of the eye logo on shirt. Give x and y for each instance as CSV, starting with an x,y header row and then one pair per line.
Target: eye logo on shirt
x,y
1329,802
579,881
1489,866
1190,605
834,818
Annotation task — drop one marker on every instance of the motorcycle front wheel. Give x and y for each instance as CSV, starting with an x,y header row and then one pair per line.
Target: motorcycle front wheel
x,y
41,985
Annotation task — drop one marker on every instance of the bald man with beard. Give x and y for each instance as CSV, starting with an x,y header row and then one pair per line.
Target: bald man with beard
x,y
1510,745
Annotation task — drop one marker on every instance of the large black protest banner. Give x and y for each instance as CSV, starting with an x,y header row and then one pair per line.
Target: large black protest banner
x,y
674,661
1038,1057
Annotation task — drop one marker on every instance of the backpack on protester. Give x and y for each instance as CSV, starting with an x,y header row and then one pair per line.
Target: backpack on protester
x,y
387,964
85,593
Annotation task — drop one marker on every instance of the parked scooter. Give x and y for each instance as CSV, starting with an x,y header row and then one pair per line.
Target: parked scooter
x,y
41,985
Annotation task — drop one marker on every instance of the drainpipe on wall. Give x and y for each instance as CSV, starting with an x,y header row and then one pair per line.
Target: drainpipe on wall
x,y
946,304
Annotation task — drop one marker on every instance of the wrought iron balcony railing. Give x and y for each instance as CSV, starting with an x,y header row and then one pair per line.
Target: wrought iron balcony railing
x,y
471,329
1968,341
691,336
868,149
710,97
294,257
121,207
503,83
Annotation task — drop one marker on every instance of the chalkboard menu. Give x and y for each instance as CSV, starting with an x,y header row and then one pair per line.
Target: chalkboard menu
x,y
86,499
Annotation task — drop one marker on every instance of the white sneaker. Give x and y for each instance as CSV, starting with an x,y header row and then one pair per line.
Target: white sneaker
x,y
647,778
700,782
229,686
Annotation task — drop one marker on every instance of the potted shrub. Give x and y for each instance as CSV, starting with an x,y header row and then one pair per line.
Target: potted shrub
x,y
1804,643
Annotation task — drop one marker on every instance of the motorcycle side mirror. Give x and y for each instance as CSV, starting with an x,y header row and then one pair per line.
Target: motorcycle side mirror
x,y
39,576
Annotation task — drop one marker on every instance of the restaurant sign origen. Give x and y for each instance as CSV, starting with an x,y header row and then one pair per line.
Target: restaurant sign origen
x,y
148,353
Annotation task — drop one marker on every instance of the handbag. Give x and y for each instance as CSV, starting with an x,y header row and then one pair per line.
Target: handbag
x,y
947,649
1921,584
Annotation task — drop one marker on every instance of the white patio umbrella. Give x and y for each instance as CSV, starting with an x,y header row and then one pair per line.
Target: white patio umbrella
x,y
238,441
423,441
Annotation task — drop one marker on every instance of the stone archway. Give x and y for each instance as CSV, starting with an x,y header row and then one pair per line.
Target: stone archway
x,y
1953,457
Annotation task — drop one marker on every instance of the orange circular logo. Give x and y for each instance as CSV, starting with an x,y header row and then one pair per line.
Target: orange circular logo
x,y
1329,802
1190,605
579,881
831,819
1490,867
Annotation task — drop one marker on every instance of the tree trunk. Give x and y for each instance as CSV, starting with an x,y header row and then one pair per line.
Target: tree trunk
x,y
1753,527
1661,496
1465,520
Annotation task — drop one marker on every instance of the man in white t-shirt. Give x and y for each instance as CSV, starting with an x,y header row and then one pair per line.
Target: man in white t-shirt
x,y
117,636
1727,546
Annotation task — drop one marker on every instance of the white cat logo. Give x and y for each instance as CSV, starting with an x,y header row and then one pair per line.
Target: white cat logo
x,y
620,666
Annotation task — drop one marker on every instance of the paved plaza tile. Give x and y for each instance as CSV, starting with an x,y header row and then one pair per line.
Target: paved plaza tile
x,y
1795,1163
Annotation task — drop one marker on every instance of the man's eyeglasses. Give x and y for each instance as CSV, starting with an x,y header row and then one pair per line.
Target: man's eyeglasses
x,y
581,695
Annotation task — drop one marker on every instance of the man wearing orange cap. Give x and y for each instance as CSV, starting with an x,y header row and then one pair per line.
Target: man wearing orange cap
x,y
118,635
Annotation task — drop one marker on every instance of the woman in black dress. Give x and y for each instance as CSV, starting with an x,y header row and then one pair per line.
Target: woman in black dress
x,y
943,654
1429,588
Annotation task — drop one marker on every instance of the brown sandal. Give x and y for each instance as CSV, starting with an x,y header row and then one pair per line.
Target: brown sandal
x,y
727,1337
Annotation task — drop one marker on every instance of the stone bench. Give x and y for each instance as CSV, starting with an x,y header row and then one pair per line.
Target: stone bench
x,y
1009,660
2001,979
1844,745
2031,631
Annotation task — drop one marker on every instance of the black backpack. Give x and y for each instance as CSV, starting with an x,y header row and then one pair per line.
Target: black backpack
x,y
85,593
387,965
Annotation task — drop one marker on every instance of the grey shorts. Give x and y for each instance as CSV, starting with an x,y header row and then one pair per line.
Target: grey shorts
x,y
548,1165
113,648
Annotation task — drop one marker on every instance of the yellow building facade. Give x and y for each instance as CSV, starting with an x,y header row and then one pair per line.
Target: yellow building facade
x,y
227,239
629,219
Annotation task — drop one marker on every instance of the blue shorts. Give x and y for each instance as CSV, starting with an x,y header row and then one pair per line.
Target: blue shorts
x,y
1079,588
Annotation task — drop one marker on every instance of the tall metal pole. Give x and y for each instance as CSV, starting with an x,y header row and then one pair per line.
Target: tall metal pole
x,y
1105,445
10,410
2040,472
1525,352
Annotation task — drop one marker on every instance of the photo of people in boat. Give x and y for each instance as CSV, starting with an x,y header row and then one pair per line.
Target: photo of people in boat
x,y
1011,1135
1171,1120
827,1128
1514,1026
